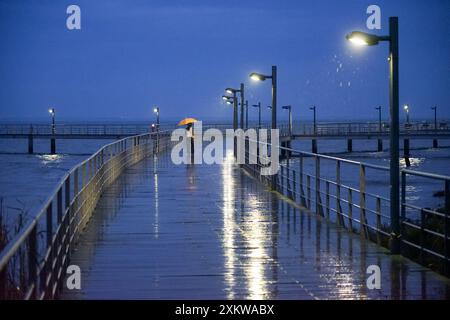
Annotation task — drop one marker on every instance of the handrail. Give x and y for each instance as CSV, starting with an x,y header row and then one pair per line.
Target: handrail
x,y
111,158
13,244
355,207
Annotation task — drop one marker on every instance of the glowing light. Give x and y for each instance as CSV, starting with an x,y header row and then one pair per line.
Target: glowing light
x,y
257,77
359,41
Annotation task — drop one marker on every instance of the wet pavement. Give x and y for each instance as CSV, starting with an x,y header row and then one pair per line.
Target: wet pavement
x,y
163,231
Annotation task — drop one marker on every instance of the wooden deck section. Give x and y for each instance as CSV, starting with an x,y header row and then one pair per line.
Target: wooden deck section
x,y
163,231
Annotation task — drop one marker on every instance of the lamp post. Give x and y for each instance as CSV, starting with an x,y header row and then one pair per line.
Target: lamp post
x,y
435,117
313,108
259,113
260,77
52,114
361,38
314,141
241,91
380,141
406,108
52,140
232,100
435,142
156,111
289,108
246,114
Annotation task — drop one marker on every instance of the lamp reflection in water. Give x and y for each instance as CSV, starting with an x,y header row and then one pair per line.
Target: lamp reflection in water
x,y
229,223
255,237
251,233
50,158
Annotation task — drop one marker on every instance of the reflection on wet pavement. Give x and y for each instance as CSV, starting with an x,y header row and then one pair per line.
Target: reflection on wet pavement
x,y
212,232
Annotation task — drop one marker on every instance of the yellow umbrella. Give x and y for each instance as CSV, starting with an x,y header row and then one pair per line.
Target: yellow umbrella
x,y
187,121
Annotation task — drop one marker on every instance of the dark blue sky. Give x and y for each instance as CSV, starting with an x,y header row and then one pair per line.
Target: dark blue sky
x,y
179,55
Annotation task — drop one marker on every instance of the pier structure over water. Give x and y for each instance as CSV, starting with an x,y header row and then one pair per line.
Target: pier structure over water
x,y
348,131
139,226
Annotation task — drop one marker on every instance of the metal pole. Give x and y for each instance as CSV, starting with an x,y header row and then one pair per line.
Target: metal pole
x,y
274,114
394,134
290,121
157,119
52,140
435,141
242,105
380,141
314,120
246,114
53,122
157,129
235,122
274,97
259,115
379,118
435,117
235,111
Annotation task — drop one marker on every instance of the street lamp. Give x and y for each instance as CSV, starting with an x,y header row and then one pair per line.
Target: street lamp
x,y
260,77
232,100
435,141
314,141
361,38
406,108
241,91
52,140
259,113
289,108
435,117
313,108
379,118
52,113
156,111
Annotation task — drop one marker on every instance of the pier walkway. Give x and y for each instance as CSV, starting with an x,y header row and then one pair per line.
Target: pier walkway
x,y
165,231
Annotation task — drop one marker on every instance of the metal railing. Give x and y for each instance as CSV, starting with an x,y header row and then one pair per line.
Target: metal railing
x,y
33,264
339,190
367,128
74,129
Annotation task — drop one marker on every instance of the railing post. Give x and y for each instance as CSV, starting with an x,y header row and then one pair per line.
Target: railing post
x,y
59,205
378,211
49,224
83,175
301,189
362,200
75,182
32,261
422,235
403,201
294,186
308,187
447,227
350,210
319,209
288,177
327,203
67,192
338,194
